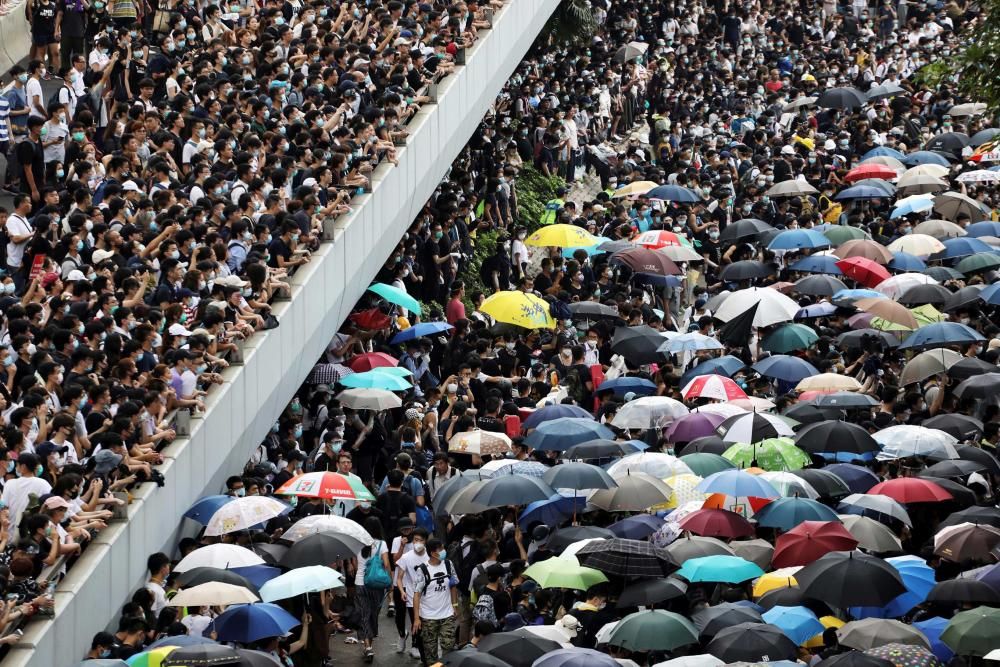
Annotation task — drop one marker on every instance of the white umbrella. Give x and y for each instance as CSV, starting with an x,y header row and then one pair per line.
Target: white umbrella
x,y
243,513
791,188
657,464
887,161
935,170
876,503
979,176
915,244
828,382
772,306
570,551
705,660
870,534
369,399
682,253
789,485
907,440
794,105
752,404
328,524
649,412
551,632
690,342
993,655
968,109
496,465
212,593
724,409
746,427
895,286
604,634
222,556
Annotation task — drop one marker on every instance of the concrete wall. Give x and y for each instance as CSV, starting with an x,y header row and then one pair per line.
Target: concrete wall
x,y
276,362
15,35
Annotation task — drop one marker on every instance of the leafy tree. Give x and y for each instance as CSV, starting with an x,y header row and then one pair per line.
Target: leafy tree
x,y
977,65
573,22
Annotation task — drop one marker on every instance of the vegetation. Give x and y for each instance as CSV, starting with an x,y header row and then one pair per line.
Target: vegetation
x,y
572,23
977,66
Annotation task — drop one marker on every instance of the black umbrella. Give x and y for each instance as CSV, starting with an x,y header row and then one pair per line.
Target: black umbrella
x,y
752,642
952,468
737,331
694,546
747,269
850,579
960,493
598,449
250,658
919,295
321,549
203,575
648,592
845,400
942,273
989,516
979,386
827,484
855,659
971,453
836,436
563,537
625,558
518,648
710,444
470,657
807,413
271,553
644,260
959,591
819,284
961,426
841,98
637,344
449,489
711,620
744,229
592,310
760,428
963,298
948,142
969,367
578,476
859,339
203,654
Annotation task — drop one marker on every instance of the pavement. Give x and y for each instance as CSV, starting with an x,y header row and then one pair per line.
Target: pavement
x,y
385,648
48,89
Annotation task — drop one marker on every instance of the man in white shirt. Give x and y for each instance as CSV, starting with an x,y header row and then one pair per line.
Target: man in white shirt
x,y
405,581
33,89
19,232
158,565
17,492
434,603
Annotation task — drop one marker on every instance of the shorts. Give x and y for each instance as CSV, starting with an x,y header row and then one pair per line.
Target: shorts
x,y
43,39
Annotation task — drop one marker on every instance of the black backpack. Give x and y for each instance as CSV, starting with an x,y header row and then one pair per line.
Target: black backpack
x,y
466,565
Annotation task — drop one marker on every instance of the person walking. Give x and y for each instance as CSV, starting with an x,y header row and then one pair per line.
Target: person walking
x,y
370,592
435,602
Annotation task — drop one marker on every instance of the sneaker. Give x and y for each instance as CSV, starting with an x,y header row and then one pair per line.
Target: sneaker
x,y
390,611
369,655
415,654
401,644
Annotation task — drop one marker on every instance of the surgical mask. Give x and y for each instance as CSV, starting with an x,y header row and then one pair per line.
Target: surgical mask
x,y
298,431
240,493
442,554
419,547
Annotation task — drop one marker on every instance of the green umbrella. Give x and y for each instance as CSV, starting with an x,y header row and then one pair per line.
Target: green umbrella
x,y
704,464
973,632
839,234
564,573
773,454
654,630
981,261
396,296
788,338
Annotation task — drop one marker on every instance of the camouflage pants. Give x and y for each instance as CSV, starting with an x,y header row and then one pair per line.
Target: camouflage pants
x,y
438,637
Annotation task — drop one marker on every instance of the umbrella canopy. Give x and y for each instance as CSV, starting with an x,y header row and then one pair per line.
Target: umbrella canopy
x,y
850,579
674,193
653,630
972,632
717,523
791,337
739,484
648,412
786,513
798,623
564,432
979,386
966,541
620,386
646,260
689,342
819,285
836,436
202,655
655,464
907,440
905,655
846,97
706,463
563,537
688,547
798,239
791,188
471,657
253,622
878,507
769,454
866,271
874,632
578,476
554,411
927,364
396,296
694,425
369,399
420,330
870,534
817,264
483,443
309,579
639,345
773,307
562,236
752,642
244,513
575,657
518,648
624,557
716,387
784,367
220,556
911,490
564,573
636,492
744,229
320,549
598,449
811,540
719,568
377,379
826,484
746,270
326,485
917,577
648,592
519,308
753,427
962,591
714,619
212,593
636,527
197,576
941,334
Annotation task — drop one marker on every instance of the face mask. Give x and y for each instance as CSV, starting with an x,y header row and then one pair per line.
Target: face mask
x,y
10,466
79,136
417,546
298,431
39,470
240,493
442,554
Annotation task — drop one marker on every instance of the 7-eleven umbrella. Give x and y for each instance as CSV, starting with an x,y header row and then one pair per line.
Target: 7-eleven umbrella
x,y
811,540
327,485
657,239
866,271
718,387
243,513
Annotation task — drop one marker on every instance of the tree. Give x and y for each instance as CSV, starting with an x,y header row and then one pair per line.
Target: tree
x,y
977,65
573,22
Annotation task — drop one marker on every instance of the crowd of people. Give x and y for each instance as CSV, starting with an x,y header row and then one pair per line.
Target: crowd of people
x,y
729,398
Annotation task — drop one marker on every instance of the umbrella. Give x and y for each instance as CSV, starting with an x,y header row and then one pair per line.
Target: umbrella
x,y
924,157
505,489
562,236
377,379
932,629
309,579
554,411
564,573
791,188
927,364
962,247
980,386
688,547
770,454
719,568
578,476
197,576
647,592
911,490
790,484
843,400
870,170
989,516
471,657
253,622
738,484
865,271
653,630
714,619
786,513
798,239
706,463
745,270
772,306
855,659
244,513
636,492
725,365
961,591
639,345
637,527
220,556
817,264
633,189
327,374
819,285
952,204
716,387
919,295
575,657
786,368
420,330
846,97
689,342
520,309
396,295
655,464
178,641
808,413
826,484
905,655
758,551
369,399
880,506
798,623
202,655
966,541
552,511
624,557
862,192
648,412
884,90
753,427
836,436
645,260
973,632
790,337
372,360
752,642
917,577
907,440
850,579
326,485
986,261
810,540
519,648
320,549
483,443
874,632
204,508
904,261
563,537
620,386
691,426
971,453
870,534
564,432
212,593
744,229
598,449
674,193
963,297
717,523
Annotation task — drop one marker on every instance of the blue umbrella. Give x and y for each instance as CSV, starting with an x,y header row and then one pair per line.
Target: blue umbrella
x,y
258,575
560,434
963,246
821,309
798,623
924,157
991,294
920,205
818,264
881,151
529,469
575,657
719,568
376,379
940,334
204,508
847,297
396,295
798,239
637,527
555,411
857,478
553,511
590,250
919,579
625,384
786,513
983,228
904,261
726,365
675,193
861,192
247,623
739,484
420,330
932,629
785,367
180,640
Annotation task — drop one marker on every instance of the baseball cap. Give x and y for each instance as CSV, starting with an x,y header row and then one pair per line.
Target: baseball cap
x,y
55,503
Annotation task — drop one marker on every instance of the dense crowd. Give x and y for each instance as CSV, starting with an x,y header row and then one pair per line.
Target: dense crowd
x,y
728,398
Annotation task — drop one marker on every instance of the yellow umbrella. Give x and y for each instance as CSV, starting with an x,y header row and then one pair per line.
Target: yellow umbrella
x,y
828,382
152,658
562,236
772,581
828,622
635,189
927,314
684,491
916,244
520,309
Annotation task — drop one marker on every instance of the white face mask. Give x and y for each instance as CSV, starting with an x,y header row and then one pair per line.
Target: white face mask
x,y
419,547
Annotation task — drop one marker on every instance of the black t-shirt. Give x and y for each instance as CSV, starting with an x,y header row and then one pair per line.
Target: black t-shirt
x,y
501,602
281,478
31,156
394,505
43,18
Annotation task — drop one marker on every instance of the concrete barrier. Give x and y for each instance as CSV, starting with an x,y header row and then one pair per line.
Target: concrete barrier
x,y
275,363
15,35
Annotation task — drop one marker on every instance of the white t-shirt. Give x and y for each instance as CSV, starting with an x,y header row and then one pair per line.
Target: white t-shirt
x,y
435,595
394,549
15,496
17,226
409,563
196,624
33,89
159,596
359,578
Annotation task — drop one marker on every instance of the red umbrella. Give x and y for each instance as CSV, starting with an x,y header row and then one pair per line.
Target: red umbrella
x,y
369,360
867,272
809,541
714,386
871,171
371,319
911,490
717,523
656,239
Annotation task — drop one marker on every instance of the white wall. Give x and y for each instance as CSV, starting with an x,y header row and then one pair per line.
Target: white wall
x,y
276,362
15,35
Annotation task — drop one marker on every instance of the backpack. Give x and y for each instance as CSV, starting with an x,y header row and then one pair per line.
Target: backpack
x,y
485,611
465,565
575,386
375,574
422,568
425,518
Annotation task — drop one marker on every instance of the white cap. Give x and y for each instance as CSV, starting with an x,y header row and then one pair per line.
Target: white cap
x,y
309,182
75,275
787,150
101,255
178,329
130,186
